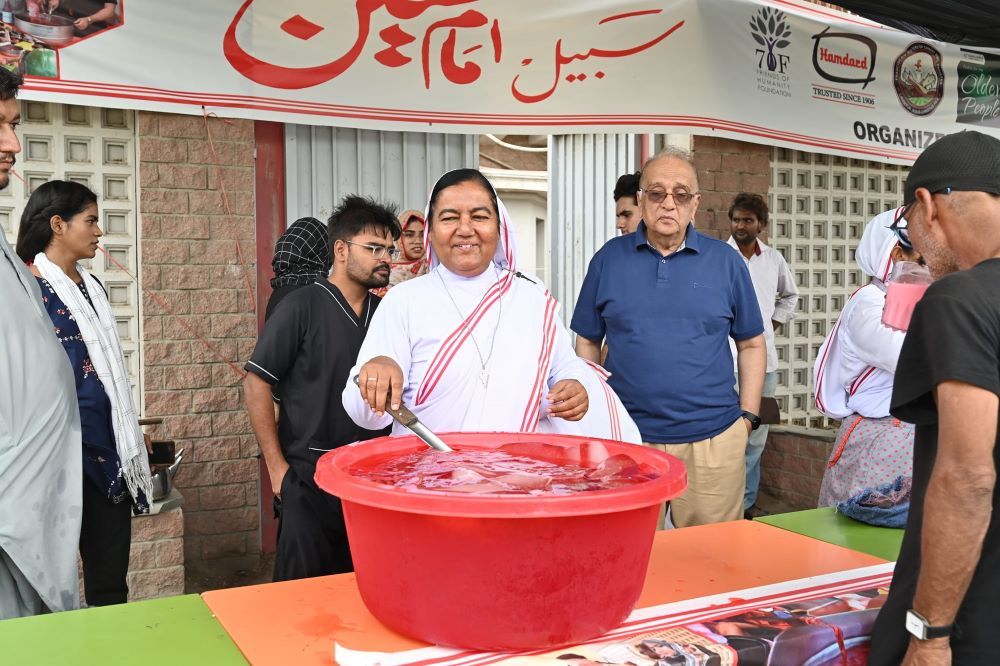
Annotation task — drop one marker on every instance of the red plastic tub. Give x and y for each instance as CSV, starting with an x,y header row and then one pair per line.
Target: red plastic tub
x,y
495,572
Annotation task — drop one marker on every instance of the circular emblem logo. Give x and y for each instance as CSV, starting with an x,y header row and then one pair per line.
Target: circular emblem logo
x,y
919,78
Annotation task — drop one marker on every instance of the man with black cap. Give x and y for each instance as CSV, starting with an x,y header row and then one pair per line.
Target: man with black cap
x,y
942,602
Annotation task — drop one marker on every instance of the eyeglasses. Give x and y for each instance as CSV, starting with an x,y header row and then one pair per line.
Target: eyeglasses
x,y
659,196
900,224
899,227
378,251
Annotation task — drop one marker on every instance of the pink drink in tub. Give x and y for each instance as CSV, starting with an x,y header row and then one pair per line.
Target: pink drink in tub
x,y
906,286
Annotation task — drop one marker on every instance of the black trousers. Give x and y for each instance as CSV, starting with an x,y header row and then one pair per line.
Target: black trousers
x,y
105,538
312,538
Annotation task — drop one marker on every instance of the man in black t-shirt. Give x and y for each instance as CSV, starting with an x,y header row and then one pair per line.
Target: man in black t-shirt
x,y
305,352
944,594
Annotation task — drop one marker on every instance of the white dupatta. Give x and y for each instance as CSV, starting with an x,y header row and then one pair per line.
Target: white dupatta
x,y
100,334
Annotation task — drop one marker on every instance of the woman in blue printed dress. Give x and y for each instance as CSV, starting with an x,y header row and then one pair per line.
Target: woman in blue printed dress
x,y
59,227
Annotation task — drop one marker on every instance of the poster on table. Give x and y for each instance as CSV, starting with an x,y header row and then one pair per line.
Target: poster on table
x,y
781,72
821,621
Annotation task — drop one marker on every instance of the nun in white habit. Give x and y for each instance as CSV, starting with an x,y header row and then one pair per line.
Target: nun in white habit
x,y
853,377
476,345
40,472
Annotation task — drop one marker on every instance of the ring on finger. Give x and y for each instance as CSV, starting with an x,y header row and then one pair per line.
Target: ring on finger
x,y
372,379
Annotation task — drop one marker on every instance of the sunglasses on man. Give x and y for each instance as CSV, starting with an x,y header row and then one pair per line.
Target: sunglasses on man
x,y
659,196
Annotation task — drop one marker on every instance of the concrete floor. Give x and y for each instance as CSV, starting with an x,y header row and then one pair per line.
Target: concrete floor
x,y
206,579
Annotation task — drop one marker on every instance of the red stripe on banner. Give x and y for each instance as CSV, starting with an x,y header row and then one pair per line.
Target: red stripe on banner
x,y
840,101
828,14
529,422
411,116
454,342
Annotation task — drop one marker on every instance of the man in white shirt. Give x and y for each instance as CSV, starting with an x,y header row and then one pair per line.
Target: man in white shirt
x,y
777,296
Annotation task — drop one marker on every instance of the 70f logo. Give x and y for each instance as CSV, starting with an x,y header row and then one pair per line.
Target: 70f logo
x,y
779,60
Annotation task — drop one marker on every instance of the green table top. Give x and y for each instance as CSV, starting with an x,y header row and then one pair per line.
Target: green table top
x,y
827,525
172,631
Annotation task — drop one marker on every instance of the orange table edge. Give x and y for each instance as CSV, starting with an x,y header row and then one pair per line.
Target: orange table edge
x,y
299,621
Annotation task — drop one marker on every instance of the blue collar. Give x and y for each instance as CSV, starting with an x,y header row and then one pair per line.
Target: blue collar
x,y
690,238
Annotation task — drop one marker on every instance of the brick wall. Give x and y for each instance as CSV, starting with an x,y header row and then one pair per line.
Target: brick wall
x,y
156,561
793,463
189,259
726,168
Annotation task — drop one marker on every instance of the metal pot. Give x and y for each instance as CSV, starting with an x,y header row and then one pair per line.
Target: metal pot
x,y
52,30
163,479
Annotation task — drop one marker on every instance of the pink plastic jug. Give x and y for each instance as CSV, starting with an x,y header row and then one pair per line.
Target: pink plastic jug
x,y
906,286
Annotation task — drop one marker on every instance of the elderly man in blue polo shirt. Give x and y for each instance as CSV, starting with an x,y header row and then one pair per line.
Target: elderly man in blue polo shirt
x,y
667,299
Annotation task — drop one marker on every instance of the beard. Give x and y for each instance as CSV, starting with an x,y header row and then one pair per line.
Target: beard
x,y
375,278
940,260
5,177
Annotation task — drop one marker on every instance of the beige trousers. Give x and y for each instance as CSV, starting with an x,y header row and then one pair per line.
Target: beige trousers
x,y
716,473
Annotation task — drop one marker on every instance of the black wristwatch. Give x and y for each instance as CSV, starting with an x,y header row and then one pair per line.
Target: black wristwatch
x,y
917,625
752,418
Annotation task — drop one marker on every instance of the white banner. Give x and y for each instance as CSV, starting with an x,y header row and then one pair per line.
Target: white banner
x,y
779,72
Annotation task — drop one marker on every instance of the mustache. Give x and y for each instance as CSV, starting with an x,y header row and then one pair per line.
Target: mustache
x,y
381,266
8,157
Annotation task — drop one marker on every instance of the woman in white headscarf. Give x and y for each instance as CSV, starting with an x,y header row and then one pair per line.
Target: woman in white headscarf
x,y
854,372
475,345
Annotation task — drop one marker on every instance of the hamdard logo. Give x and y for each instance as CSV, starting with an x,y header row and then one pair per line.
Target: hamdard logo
x,y
848,60
770,29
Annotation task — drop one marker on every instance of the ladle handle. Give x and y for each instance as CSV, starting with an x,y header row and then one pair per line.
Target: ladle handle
x,y
409,420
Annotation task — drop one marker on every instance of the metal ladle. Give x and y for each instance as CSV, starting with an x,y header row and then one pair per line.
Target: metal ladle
x,y
409,420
